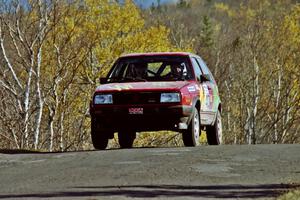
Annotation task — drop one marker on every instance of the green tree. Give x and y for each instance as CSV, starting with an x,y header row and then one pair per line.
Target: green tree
x,y
81,40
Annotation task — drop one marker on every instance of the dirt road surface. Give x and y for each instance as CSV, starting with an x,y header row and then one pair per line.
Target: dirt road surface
x,y
205,172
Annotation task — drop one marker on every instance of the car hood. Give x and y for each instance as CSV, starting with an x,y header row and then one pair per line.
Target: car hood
x,y
141,86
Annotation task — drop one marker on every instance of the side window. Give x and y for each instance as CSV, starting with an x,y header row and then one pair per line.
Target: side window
x,y
196,68
205,69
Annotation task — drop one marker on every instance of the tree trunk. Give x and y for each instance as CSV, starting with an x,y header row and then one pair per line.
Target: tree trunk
x,y
277,94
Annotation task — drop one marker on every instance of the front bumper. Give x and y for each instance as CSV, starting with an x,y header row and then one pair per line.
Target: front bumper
x,y
153,118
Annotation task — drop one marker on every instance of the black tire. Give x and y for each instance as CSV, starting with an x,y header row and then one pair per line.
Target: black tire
x,y
99,138
214,132
191,136
126,139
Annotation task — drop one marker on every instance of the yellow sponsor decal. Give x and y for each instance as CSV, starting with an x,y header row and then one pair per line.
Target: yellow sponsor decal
x,y
202,96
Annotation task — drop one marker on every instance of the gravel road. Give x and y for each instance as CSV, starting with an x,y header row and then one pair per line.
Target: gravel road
x,y
205,172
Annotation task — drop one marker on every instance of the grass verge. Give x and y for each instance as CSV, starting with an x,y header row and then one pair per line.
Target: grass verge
x,y
292,195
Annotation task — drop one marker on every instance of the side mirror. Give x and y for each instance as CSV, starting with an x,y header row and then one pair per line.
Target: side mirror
x,y
203,78
103,80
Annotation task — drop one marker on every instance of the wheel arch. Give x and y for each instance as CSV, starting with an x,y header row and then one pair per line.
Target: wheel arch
x,y
197,104
220,110
220,107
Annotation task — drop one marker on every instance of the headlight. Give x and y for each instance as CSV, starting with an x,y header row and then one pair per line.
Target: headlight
x,y
169,97
103,99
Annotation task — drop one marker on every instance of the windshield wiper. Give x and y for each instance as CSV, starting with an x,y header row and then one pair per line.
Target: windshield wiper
x,y
179,79
124,79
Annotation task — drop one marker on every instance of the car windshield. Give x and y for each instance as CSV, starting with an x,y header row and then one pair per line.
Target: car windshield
x,y
151,68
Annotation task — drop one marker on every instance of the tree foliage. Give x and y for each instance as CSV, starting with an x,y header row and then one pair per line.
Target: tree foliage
x,y
52,55
253,49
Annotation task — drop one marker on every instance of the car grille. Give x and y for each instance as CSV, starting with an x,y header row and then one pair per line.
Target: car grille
x,y
136,98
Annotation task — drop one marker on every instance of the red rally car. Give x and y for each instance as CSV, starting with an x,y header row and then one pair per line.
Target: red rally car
x,y
156,91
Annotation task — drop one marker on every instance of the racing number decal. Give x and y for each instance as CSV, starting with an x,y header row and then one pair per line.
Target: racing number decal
x,y
206,94
206,97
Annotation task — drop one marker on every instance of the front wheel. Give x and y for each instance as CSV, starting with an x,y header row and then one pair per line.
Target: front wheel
x,y
126,139
99,138
191,136
214,132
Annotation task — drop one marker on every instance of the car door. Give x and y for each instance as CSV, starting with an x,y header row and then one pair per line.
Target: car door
x,y
204,93
212,90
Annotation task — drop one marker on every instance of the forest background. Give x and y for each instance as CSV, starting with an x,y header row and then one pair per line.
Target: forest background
x,y
53,52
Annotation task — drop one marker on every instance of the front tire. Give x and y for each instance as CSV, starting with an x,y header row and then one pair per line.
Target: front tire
x,y
214,133
126,139
191,136
99,138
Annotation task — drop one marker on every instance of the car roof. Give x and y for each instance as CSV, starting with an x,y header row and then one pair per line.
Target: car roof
x,y
158,54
